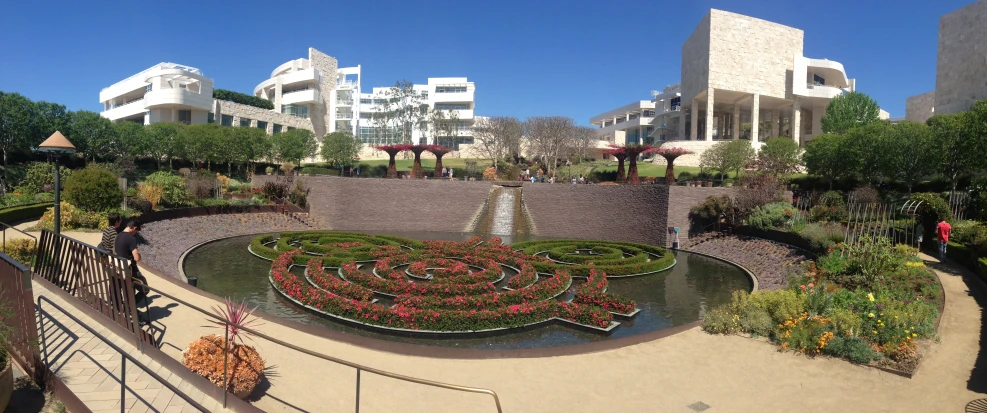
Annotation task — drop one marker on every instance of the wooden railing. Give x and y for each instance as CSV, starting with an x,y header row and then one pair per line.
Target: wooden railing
x,y
100,280
18,299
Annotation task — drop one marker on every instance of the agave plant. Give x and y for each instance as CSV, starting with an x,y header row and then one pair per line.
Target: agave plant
x,y
235,314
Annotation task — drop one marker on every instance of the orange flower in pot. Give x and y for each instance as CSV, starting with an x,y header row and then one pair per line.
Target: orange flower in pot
x,y
228,359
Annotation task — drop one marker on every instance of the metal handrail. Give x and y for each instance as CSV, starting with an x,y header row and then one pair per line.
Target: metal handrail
x,y
358,367
7,226
123,364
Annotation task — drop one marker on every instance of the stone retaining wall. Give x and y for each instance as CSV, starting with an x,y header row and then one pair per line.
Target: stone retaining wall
x,y
682,199
609,212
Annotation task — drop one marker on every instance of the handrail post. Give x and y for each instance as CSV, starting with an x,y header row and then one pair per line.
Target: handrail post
x,y
357,390
123,384
226,362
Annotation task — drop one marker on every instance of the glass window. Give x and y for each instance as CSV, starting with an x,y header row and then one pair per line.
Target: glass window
x,y
262,125
212,118
277,128
185,116
148,88
366,101
300,111
450,89
245,122
226,120
818,80
649,113
452,106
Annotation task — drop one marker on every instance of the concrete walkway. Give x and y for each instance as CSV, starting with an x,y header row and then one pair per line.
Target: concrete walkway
x,y
728,373
92,369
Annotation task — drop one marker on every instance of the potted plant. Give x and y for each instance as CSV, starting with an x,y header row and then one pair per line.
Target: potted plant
x,y
207,356
6,367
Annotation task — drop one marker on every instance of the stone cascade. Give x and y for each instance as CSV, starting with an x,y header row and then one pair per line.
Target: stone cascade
x,y
503,214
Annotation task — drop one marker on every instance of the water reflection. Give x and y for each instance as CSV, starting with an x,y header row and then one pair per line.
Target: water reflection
x,y
667,299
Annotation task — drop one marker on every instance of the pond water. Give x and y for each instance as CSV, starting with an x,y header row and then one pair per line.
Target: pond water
x,y
666,299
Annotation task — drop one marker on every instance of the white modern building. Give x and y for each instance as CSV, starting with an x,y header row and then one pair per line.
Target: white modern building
x,y
452,96
626,124
165,92
310,93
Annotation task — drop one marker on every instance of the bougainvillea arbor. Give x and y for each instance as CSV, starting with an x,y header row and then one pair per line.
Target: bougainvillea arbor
x,y
618,153
401,284
633,151
416,168
670,153
439,151
392,152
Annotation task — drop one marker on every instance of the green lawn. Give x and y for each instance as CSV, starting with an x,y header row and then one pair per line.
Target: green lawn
x,y
650,169
406,164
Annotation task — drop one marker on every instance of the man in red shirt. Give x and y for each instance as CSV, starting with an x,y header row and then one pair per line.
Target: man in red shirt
x,y
942,233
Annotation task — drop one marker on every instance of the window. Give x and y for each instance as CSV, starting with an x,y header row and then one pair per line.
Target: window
x,y
452,106
818,80
364,115
212,118
364,101
277,128
245,122
450,89
424,94
300,111
291,128
226,120
148,88
649,113
380,101
676,103
262,125
185,116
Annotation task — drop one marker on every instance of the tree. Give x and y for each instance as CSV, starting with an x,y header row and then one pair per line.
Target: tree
x,y
908,153
728,156
780,156
549,136
826,155
16,112
246,142
670,153
49,117
400,111
341,148
959,145
444,125
633,151
848,111
392,151
618,153
131,139
864,148
91,134
496,137
161,141
293,145
439,151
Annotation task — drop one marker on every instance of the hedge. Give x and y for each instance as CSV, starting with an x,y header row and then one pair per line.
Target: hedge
x,y
241,98
965,256
24,212
314,170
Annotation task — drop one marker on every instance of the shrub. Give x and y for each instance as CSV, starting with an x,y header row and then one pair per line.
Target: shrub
x,y
831,198
976,202
851,348
93,189
713,210
780,304
865,195
490,174
930,211
278,189
151,193
174,192
804,334
40,177
22,212
756,190
21,249
720,321
777,215
139,205
201,184
311,170
821,236
820,213
241,98
846,322
298,194
967,232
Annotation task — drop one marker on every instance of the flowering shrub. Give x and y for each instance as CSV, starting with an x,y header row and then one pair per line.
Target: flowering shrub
x,y
436,285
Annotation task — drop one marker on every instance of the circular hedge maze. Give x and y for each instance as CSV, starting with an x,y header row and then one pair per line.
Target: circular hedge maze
x,y
400,284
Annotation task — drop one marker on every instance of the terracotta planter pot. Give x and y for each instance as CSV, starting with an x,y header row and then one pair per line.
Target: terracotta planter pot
x,y
6,385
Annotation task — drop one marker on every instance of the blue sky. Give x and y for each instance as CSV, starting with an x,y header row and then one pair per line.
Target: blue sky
x,y
528,58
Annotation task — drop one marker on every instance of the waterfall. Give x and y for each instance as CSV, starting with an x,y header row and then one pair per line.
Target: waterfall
x,y
503,212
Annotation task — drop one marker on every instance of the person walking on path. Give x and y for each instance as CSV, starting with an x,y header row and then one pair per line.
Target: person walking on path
x,y
919,233
126,247
108,241
942,233
450,173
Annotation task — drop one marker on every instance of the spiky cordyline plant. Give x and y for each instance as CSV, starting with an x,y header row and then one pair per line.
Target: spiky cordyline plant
x,y
235,314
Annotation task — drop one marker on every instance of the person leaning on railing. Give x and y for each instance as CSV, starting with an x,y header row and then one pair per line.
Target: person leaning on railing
x,y
126,247
108,242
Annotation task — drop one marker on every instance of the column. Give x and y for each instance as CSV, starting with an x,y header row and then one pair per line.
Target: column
x,y
709,114
755,118
796,125
817,114
277,95
775,123
681,125
694,128
736,121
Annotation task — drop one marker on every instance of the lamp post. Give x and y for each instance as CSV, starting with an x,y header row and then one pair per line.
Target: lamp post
x,y
57,145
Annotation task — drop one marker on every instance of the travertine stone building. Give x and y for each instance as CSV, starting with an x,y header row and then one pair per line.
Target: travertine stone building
x,y
961,65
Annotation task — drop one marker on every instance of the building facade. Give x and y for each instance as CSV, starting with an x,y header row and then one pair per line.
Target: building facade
x,y
451,97
961,65
629,124
311,93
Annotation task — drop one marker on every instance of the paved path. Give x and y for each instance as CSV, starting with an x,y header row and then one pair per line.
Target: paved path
x,y
729,373
92,369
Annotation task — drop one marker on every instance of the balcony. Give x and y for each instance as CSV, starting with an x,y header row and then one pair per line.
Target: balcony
x,y
627,124
125,110
343,115
301,76
301,96
345,84
177,97
820,91
344,102
451,97
462,114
